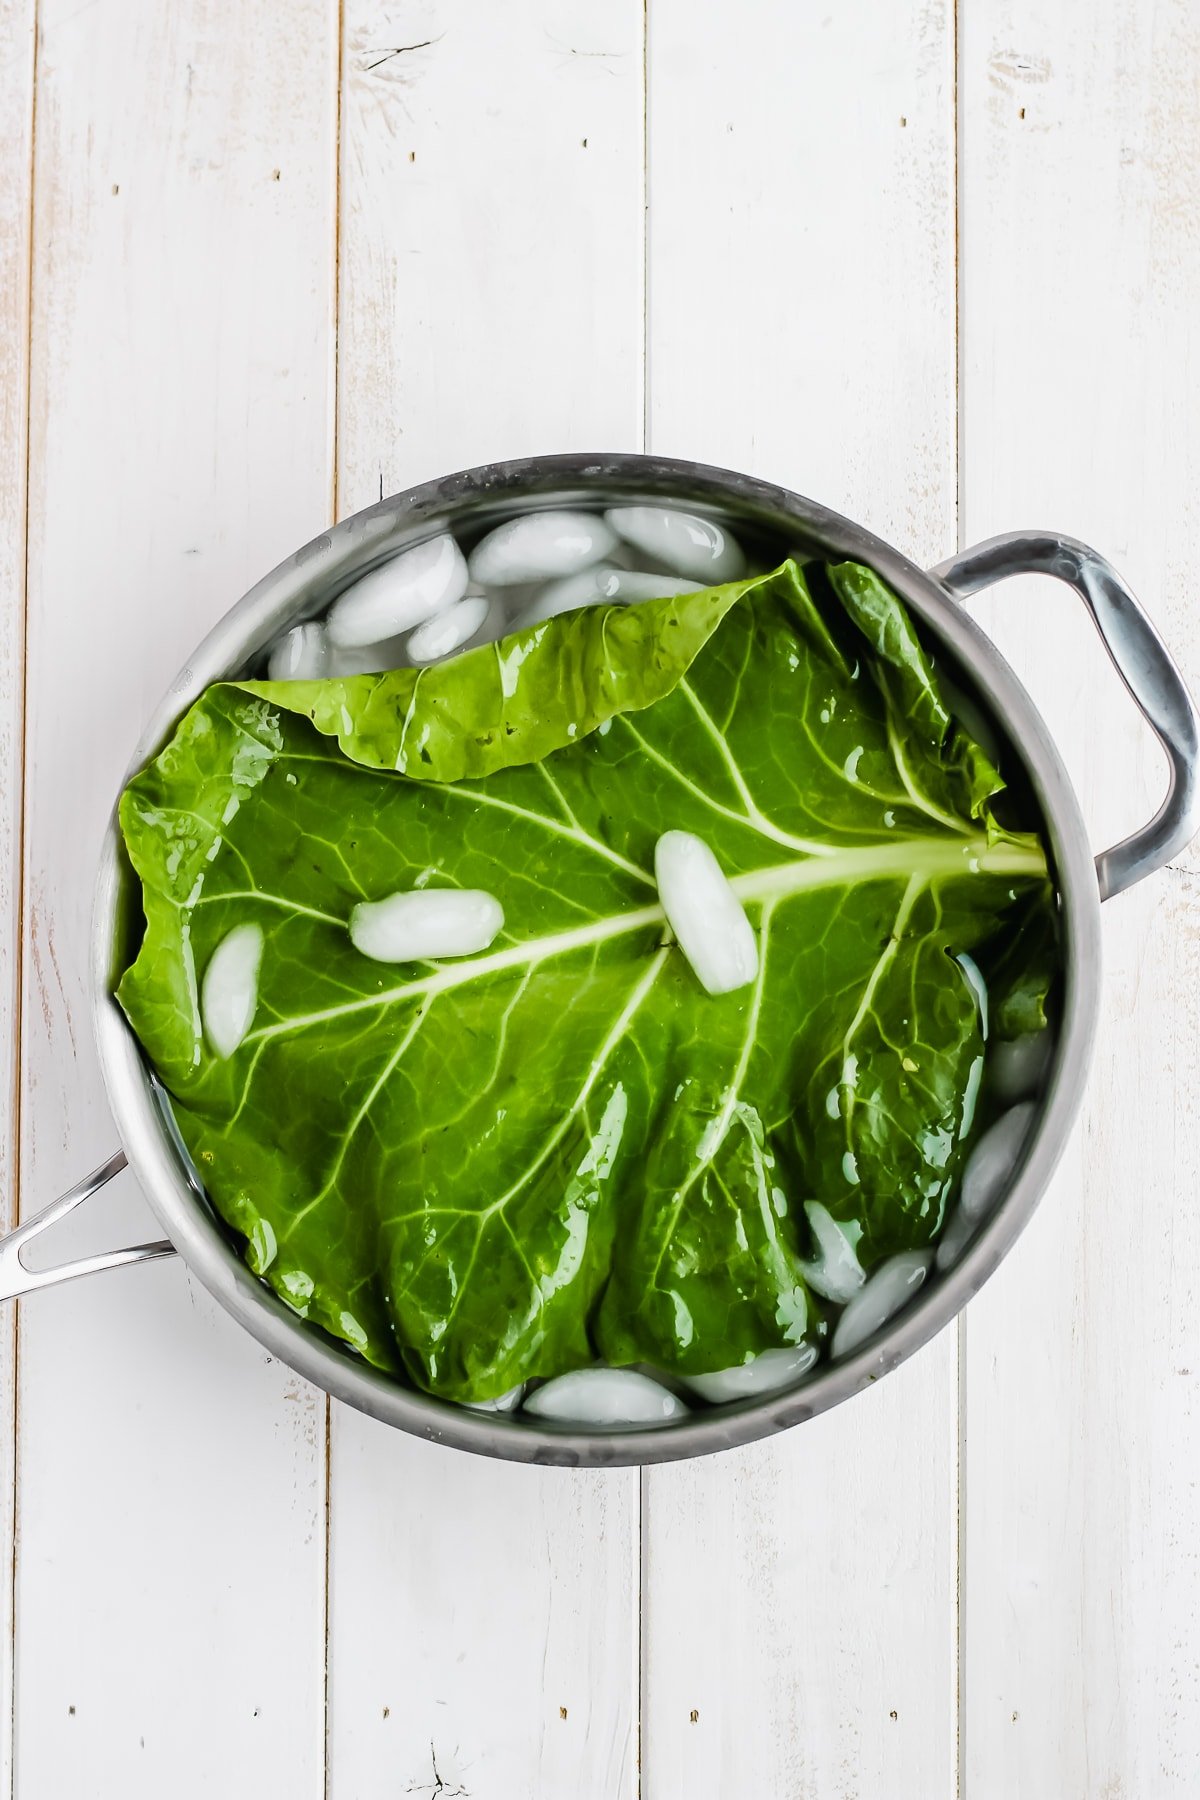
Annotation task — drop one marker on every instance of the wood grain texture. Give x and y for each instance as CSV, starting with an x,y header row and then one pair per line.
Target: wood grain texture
x,y
1081,377
16,174
170,1581
491,270
483,1619
801,252
799,1634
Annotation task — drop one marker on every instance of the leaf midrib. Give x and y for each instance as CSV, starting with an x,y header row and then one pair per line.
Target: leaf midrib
x,y
926,859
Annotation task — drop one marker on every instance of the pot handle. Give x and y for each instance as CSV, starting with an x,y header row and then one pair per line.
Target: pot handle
x,y
1140,658
16,1278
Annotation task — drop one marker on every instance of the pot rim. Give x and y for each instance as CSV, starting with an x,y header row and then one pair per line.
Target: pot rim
x,y
291,591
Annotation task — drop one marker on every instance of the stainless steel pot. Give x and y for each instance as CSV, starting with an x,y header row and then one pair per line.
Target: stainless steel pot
x,y
304,586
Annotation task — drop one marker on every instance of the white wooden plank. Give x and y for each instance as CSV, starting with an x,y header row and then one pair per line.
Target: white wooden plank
x,y
491,284
170,1582
800,1603
16,133
483,1619
1081,264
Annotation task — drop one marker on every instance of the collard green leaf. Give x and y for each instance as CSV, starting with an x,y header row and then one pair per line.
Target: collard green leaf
x,y
563,1148
515,701
1021,969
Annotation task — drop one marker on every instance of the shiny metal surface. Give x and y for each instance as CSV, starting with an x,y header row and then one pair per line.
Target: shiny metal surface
x,y
16,1277
1140,658
467,503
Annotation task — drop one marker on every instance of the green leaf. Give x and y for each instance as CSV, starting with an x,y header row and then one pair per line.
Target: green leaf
x,y
1021,970
925,740
561,1149
515,701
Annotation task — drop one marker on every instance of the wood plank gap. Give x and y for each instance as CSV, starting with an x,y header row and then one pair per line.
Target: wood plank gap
x,y
960,1488
642,1548
960,1586
645,237
959,428
642,1637
335,349
17,828
334,380
325,1622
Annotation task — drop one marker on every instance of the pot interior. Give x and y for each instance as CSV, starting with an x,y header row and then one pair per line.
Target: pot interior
x,y
772,525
